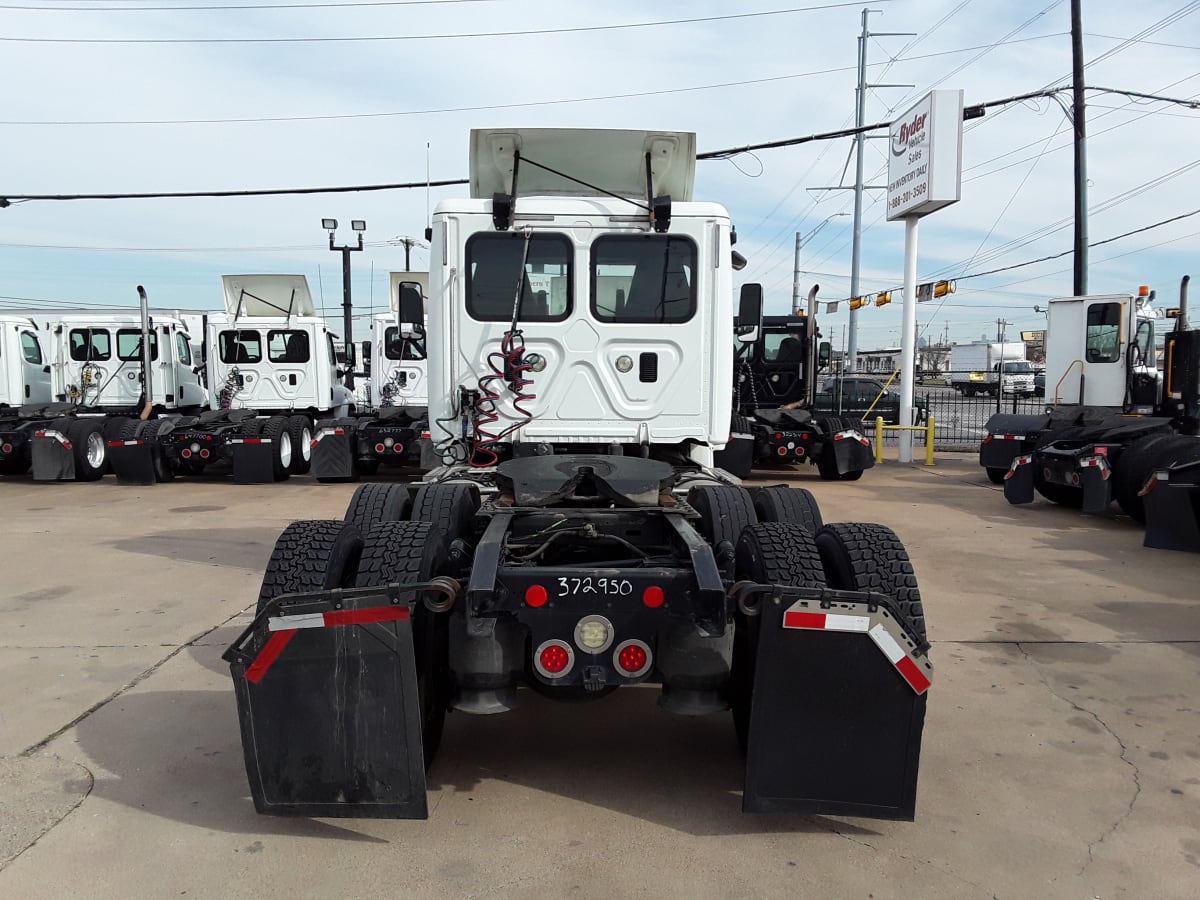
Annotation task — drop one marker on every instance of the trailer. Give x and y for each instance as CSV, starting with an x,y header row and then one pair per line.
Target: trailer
x,y
777,417
1114,418
578,538
394,427
270,364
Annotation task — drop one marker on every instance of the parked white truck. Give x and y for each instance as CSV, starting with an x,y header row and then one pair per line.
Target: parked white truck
x,y
976,368
395,428
272,370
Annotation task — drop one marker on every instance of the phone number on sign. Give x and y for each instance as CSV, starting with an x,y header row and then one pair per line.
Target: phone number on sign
x,y
918,191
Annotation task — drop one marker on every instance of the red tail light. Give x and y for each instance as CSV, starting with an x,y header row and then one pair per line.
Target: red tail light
x,y
554,659
779,436
535,595
185,453
7,448
632,658
653,596
204,454
799,451
379,448
397,447
782,451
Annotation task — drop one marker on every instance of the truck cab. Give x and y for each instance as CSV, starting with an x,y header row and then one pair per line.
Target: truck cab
x,y
269,350
24,363
97,362
624,326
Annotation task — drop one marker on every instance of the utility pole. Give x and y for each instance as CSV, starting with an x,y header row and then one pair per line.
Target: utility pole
x,y
860,109
1079,118
408,245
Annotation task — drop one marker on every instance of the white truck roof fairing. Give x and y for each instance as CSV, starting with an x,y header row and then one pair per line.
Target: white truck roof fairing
x,y
267,296
611,159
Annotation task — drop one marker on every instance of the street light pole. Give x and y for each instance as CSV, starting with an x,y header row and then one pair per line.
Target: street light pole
x,y
359,226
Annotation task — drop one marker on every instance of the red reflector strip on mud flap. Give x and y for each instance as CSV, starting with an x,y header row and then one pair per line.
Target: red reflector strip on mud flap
x,y
284,628
852,435
885,631
1100,461
1016,464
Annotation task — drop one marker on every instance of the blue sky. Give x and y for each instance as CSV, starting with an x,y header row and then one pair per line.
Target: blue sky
x,y
389,98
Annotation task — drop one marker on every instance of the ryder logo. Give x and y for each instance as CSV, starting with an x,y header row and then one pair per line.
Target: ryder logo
x,y
908,133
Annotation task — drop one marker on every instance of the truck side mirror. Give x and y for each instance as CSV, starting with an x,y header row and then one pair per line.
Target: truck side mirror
x,y
824,353
411,303
350,355
748,323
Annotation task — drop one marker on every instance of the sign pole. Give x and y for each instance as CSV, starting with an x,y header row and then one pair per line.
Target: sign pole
x,y
908,346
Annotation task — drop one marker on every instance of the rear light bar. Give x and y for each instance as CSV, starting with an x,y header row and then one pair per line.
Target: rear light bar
x,y
554,659
633,658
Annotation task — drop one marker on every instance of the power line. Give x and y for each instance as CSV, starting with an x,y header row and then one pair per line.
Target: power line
x,y
497,106
576,29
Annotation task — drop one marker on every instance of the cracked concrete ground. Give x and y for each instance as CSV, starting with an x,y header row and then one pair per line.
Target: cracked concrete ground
x,y
1061,754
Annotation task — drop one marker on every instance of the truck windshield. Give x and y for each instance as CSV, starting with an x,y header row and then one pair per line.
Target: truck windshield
x,y
782,347
493,268
643,278
1018,368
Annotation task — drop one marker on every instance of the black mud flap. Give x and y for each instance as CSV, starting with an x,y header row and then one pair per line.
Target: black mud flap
x,y
333,454
1018,480
1095,478
837,712
1172,502
53,456
852,452
132,461
737,457
327,698
253,460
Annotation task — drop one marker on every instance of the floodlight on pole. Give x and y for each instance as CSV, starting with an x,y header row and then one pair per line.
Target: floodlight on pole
x,y
329,224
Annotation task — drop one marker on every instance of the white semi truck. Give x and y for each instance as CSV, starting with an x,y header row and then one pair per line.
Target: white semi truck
x,y
394,429
272,370
577,537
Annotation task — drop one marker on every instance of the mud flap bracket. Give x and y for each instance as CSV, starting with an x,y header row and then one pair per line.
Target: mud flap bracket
x,y
329,708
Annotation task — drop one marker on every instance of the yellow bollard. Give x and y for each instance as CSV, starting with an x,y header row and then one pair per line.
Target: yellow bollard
x,y
879,440
929,441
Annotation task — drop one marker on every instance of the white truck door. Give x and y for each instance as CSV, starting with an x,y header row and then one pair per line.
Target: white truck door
x,y
35,371
11,393
187,383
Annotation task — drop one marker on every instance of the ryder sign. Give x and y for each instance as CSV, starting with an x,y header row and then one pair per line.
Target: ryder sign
x,y
925,156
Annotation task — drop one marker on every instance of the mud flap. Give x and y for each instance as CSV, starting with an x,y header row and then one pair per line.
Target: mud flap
x,y
253,460
1094,479
837,712
852,452
132,462
1172,501
737,457
327,699
333,454
53,456
1018,480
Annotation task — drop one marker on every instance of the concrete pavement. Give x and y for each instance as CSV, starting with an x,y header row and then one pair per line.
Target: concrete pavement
x,y
1061,754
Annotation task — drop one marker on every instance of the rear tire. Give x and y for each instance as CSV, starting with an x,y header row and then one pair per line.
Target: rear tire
x,y
374,504
276,430
300,431
89,448
767,553
410,552
860,556
452,506
725,512
790,506
311,555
